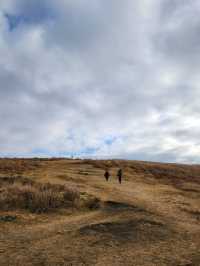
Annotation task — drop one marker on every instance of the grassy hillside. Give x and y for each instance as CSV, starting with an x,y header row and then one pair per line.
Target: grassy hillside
x,y
63,212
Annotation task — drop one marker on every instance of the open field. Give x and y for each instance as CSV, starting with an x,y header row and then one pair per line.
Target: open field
x,y
63,212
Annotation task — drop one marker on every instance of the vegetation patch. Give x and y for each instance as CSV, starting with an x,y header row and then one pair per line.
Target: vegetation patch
x,y
8,218
89,201
40,198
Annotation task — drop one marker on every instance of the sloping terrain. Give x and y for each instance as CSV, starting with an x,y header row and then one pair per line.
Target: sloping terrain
x,y
152,218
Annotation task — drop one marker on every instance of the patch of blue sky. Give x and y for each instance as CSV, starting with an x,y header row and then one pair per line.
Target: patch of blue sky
x,y
87,152
13,21
23,18
110,140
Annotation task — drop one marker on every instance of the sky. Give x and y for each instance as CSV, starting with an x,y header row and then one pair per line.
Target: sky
x,y
100,78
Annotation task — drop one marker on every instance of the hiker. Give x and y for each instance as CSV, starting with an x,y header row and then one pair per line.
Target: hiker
x,y
119,174
107,175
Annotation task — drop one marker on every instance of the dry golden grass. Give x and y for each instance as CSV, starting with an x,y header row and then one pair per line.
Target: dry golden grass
x,y
151,219
30,198
22,193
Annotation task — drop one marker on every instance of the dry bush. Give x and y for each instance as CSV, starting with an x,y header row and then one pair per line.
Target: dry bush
x,y
31,198
24,193
37,197
71,195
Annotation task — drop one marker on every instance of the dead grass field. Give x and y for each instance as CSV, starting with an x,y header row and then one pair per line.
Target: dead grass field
x,y
63,212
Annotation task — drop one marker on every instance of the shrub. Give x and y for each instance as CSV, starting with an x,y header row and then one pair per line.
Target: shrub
x,y
71,195
30,198
36,198
40,198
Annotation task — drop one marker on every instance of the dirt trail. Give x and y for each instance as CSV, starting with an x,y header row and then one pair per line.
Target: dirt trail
x,y
141,222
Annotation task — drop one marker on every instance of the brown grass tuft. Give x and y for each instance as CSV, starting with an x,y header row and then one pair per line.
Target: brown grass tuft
x,y
40,198
30,198
88,201
36,198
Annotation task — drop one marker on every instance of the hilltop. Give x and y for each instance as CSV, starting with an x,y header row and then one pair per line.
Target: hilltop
x,y
63,212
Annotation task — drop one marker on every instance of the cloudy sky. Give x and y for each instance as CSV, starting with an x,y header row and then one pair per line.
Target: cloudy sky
x,y
100,78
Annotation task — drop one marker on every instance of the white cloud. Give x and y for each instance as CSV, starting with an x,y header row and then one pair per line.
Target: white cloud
x,y
75,74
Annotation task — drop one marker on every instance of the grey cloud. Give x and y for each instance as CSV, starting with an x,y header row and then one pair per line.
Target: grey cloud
x,y
82,71
178,37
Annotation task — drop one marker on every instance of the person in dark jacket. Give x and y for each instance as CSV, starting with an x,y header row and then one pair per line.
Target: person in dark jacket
x,y
107,175
119,174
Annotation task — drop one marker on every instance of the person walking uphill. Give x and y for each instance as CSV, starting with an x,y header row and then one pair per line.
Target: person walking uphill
x,y
119,174
107,175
